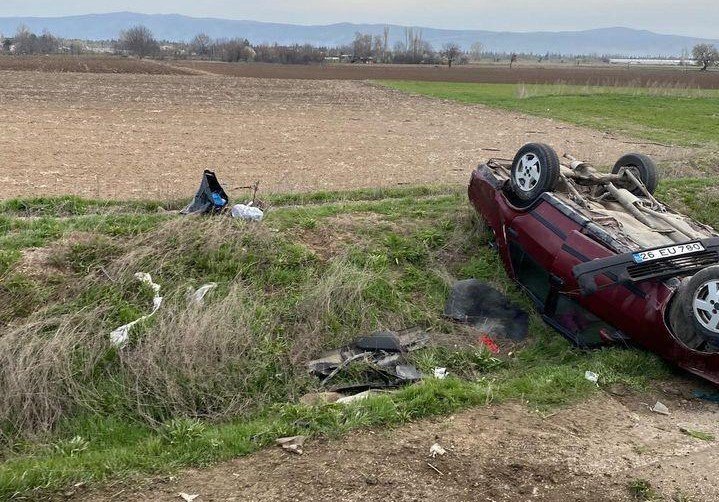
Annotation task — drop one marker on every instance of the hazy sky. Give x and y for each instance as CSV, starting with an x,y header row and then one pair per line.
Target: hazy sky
x,y
691,17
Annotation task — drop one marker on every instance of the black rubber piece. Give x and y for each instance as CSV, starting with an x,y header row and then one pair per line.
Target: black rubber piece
x,y
645,166
548,171
687,300
382,340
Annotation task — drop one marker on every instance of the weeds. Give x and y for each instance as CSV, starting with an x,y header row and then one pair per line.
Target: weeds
x,y
641,489
203,383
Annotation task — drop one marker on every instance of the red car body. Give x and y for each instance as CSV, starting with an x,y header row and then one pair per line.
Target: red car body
x,y
586,274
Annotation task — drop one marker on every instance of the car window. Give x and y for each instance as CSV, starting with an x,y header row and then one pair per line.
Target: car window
x,y
529,273
585,326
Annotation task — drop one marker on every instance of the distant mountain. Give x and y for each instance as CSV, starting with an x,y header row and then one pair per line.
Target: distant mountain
x,y
174,27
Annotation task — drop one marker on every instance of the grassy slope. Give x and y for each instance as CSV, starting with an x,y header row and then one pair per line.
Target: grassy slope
x,y
388,264
685,117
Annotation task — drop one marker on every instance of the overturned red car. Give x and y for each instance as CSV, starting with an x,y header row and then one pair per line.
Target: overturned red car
x,y
603,260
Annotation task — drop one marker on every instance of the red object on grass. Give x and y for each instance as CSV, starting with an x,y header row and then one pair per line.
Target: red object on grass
x,y
489,343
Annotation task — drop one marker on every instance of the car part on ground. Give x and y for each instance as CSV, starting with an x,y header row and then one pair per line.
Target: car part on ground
x,y
382,356
482,306
604,261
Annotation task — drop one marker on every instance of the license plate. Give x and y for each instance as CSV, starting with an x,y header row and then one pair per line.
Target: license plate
x,y
668,252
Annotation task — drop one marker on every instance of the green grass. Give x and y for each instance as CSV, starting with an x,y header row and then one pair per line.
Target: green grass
x,y
642,490
673,116
319,271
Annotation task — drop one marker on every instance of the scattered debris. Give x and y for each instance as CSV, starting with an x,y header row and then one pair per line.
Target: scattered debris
x,y
490,344
197,296
382,355
435,450
120,336
210,197
440,373
704,436
382,340
320,398
592,377
408,373
435,469
479,304
660,408
247,212
187,497
292,444
358,397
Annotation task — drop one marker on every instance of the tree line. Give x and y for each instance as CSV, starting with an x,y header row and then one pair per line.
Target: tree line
x,y
412,48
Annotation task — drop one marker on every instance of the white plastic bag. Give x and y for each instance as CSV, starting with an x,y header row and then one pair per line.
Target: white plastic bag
x,y
247,213
120,336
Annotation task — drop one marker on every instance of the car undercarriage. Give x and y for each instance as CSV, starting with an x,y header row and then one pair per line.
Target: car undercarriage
x,y
602,243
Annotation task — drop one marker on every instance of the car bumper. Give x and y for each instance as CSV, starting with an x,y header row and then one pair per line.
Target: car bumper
x,y
624,269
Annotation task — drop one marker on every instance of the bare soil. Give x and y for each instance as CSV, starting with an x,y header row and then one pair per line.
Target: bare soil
x,y
588,452
90,64
495,74
147,136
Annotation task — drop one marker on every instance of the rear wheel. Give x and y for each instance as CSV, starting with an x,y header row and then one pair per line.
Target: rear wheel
x,y
701,303
535,170
641,166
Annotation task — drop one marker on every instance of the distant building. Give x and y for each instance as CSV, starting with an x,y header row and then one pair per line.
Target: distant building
x,y
652,62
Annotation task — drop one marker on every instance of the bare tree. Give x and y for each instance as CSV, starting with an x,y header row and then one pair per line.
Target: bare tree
x,y
476,51
139,41
385,43
200,45
362,46
26,42
705,55
451,51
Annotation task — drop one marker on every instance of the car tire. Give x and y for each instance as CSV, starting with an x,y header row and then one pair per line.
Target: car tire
x,y
700,303
535,170
643,167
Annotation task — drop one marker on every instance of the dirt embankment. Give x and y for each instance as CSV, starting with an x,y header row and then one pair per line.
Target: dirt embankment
x,y
588,452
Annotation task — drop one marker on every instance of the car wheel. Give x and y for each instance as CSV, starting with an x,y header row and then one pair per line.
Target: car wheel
x,y
701,303
641,166
535,170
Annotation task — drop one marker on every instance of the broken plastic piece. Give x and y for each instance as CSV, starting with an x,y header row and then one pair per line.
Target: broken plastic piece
x,y
406,372
382,340
357,397
292,444
435,450
187,497
591,376
491,345
660,408
440,373
198,296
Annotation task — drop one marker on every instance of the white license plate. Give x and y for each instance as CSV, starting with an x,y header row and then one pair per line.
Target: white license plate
x,y
668,252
